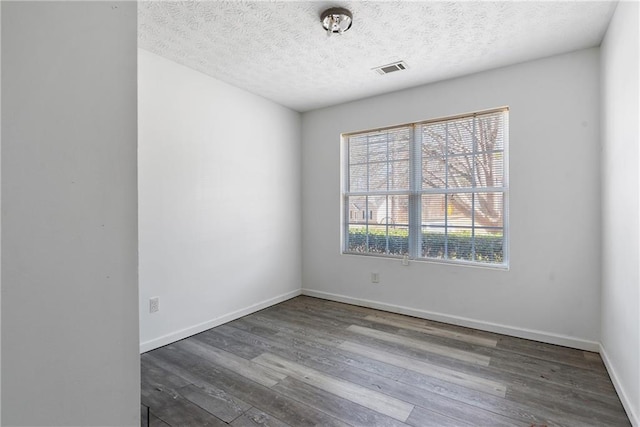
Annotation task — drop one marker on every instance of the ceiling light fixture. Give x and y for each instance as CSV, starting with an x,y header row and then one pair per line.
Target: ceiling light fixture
x,y
336,20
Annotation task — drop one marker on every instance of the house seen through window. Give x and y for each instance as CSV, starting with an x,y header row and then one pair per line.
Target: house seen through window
x,y
434,190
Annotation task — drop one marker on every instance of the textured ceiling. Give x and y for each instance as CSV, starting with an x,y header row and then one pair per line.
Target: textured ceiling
x,y
280,51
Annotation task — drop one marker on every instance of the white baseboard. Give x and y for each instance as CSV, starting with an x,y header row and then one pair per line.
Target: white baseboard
x,y
462,321
624,397
196,329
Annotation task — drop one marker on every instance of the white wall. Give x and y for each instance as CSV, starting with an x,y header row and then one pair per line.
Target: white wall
x,y
69,229
219,194
0,212
620,207
552,290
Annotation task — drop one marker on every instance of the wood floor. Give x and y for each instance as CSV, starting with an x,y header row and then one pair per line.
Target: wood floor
x,y
311,362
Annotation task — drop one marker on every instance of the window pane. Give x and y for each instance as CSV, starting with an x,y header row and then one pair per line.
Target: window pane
x,y
398,175
357,150
378,150
433,210
461,160
377,239
357,238
460,136
460,171
489,208
433,242
398,240
379,161
378,224
358,177
434,140
377,177
488,246
395,242
434,172
489,170
393,211
459,244
399,149
357,209
377,209
459,209
489,131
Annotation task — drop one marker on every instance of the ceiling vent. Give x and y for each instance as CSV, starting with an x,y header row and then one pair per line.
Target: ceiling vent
x,y
391,68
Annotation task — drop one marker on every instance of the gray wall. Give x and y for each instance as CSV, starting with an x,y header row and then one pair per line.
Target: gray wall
x,y
621,207
69,229
552,290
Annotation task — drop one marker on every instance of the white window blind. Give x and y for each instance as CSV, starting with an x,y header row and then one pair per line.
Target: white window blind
x,y
378,171
430,190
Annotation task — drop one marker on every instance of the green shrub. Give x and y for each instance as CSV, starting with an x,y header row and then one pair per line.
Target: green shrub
x,y
488,248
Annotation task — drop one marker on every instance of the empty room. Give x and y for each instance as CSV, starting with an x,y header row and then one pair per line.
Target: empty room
x,y
281,213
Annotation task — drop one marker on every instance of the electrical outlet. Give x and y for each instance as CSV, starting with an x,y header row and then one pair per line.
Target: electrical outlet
x,y
154,304
375,278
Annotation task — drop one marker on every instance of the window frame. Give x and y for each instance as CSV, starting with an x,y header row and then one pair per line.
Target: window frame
x,y
416,192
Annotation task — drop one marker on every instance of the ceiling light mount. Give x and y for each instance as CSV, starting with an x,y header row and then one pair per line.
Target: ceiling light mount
x,y
336,20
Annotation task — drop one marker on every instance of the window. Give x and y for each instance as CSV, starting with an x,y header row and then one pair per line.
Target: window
x,y
434,190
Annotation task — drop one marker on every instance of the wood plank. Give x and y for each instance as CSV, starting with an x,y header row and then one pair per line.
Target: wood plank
x,y
552,370
318,343
569,356
312,329
344,409
203,373
506,409
309,342
215,401
255,328
517,365
386,320
455,400
523,375
422,345
509,344
421,417
455,377
280,324
589,355
587,411
246,351
247,369
596,364
414,325
382,403
545,384
475,407
319,304
338,355
173,409
155,375
330,318
459,349
580,378
531,369
240,332
315,307
155,380
475,348
256,418
156,422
